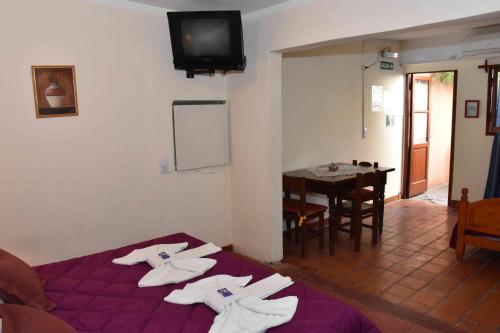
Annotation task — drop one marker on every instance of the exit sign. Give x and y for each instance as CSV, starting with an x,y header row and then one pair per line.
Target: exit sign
x,y
386,65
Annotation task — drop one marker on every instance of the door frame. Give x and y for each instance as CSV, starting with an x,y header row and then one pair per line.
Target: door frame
x,y
408,129
427,134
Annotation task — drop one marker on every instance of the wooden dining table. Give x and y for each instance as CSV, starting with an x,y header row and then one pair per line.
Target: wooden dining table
x,y
332,185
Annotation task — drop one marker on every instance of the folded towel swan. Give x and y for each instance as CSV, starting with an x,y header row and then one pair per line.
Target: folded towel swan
x,y
170,263
240,308
141,255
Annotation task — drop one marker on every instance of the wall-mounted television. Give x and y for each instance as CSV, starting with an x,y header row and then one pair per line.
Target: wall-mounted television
x,y
203,42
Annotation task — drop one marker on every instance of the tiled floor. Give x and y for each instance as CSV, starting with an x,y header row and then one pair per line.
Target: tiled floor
x,y
413,269
437,195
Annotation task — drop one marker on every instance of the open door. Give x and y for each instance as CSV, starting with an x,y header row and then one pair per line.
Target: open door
x,y
419,88
429,99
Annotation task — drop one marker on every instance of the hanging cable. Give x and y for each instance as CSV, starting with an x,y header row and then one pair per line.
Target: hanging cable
x,y
363,69
362,89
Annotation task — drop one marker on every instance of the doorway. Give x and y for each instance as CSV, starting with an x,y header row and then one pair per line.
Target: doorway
x,y
429,136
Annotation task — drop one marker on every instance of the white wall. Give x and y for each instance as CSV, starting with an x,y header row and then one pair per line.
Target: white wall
x,y
432,49
472,146
322,102
450,46
76,185
441,106
256,122
92,181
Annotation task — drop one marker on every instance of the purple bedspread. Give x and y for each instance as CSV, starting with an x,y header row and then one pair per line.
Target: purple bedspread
x,y
94,295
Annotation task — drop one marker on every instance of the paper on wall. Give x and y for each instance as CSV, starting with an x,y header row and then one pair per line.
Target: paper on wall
x,y
389,102
389,120
393,103
377,98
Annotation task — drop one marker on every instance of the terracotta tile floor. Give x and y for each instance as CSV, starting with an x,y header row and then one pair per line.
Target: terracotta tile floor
x,y
412,272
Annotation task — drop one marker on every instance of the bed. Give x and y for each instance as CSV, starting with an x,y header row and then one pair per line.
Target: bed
x,y
94,295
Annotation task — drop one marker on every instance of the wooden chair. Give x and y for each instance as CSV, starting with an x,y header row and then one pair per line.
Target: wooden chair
x,y
355,204
478,224
300,211
375,166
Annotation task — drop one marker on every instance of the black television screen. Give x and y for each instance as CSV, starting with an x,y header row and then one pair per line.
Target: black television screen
x,y
206,37
207,40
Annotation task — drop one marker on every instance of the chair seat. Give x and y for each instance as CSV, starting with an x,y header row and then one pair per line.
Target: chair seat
x,y
351,195
365,207
293,206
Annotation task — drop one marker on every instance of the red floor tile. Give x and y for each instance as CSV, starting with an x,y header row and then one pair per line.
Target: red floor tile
x,y
428,299
413,268
412,283
488,310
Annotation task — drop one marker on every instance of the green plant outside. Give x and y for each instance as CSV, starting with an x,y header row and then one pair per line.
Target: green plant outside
x,y
443,77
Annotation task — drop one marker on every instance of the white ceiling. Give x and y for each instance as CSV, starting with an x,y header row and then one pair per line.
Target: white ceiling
x,y
245,6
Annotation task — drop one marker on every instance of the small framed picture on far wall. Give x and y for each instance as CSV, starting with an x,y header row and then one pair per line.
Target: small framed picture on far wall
x,y
472,108
55,91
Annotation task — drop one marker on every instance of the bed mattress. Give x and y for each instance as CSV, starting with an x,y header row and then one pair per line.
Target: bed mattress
x,y
94,295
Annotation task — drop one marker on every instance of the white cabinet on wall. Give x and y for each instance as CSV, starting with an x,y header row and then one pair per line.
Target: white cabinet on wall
x,y
201,134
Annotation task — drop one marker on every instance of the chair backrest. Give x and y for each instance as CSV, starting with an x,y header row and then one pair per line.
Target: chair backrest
x,y
480,216
368,179
296,185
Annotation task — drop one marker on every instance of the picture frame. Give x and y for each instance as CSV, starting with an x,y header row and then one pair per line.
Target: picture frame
x,y
472,108
55,91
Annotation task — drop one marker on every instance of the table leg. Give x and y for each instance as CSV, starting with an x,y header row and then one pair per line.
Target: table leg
x,y
356,226
288,230
331,223
381,206
322,231
303,229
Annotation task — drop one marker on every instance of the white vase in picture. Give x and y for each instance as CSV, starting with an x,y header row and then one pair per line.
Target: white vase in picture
x,y
55,95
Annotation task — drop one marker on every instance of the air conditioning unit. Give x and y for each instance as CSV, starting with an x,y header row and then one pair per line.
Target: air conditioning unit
x,y
484,45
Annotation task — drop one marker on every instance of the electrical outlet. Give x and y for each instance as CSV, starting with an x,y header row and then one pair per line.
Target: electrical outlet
x,y
163,167
365,133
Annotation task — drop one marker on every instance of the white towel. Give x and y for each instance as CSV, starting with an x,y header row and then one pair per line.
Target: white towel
x,y
179,267
198,252
140,255
254,315
241,309
219,299
268,286
227,287
220,290
176,271
156,260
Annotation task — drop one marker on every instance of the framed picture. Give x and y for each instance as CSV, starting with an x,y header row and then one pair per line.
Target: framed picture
x,y
55,91
472,109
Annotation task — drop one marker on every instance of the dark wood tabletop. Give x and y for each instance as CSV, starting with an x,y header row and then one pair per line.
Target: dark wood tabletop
x,y
333,179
